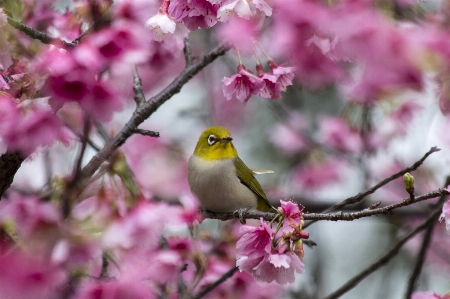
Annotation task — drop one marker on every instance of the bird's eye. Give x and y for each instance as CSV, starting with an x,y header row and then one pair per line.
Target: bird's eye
x,y
211,139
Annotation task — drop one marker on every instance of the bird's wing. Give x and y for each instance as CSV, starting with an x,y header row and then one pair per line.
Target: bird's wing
x,y
246,177
261,171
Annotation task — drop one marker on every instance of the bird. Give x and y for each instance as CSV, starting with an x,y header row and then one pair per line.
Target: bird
x,y
220,179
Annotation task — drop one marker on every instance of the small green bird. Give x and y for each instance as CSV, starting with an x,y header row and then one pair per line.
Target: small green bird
x,y
219,178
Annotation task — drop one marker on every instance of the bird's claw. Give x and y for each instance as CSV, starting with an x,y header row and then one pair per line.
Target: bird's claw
x,y
241,213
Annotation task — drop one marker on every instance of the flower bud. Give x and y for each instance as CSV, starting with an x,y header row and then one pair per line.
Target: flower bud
x,y
408,180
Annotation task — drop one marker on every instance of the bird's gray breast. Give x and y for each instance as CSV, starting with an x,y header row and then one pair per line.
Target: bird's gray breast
x,y
217,186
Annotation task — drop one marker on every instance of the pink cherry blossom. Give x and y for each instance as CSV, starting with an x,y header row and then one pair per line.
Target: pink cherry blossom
x,y
273,267
243,284
244,9
135,10
272,89
244,84
163,53
120,42
194,13
244,41
292,34
254,242
78,82
284,75
382,67
236,7
446,215
161,25
30,215
278,267
256,254
405,112
166,181
336,133
29,125
138,228
428,295
92,289
315,175
190,214
288,137
292,215
25,275
20,81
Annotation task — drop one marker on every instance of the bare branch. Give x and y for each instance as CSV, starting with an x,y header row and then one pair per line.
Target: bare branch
x,y
101,131
412,282
147,133
216,283
41,36
360,196
139,96
105,264
331,216
86,130
187,52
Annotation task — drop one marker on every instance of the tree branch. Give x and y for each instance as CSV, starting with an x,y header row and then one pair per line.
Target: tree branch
x,y
331,216
210,287
139,96
412,282
9,164
187,52
360,196
38,35
385,258
147,133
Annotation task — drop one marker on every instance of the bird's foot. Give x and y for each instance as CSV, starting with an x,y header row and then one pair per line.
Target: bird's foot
x,y
241,213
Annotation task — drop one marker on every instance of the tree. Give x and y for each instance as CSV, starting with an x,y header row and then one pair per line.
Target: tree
x,y
95,201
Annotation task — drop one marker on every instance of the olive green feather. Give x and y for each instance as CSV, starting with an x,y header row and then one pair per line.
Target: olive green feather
x,y
246,177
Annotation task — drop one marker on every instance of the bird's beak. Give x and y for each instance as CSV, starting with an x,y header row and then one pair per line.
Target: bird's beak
x,y
226,139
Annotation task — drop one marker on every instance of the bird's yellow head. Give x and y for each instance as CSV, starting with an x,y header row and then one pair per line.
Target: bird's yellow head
x,y
215,144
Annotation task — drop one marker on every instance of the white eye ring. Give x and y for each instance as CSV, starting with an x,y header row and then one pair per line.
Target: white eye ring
x,y
211,139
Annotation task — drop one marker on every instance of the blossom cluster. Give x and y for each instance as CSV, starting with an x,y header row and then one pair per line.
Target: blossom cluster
x,y
273,254
134,251
244,84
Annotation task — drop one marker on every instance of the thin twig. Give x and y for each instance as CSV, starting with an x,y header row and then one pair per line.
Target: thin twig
x,y
101,131
187,51
139,96
360,196
48,167
331,216
103,18
68,197
86,130
385,258
147,133
35,34
211,287
105,264
412,282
